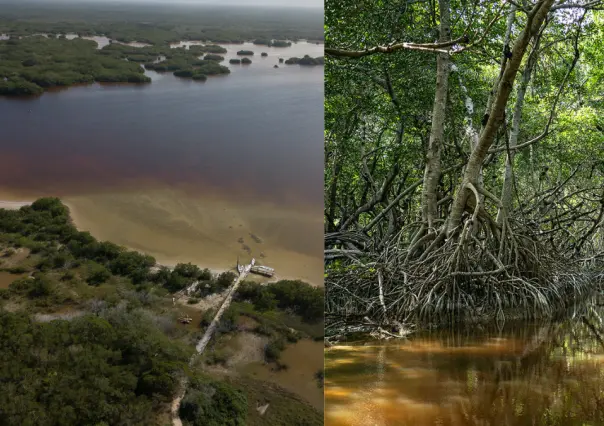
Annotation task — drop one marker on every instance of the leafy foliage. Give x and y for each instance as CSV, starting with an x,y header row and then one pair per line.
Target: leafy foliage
x,y
46,225
297,296
114,369
213,403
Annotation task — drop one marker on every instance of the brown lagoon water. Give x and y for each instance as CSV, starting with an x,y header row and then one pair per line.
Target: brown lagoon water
x,y
524,374
304,359
180,169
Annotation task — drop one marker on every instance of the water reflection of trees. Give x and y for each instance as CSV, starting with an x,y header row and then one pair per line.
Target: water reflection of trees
x,y
529,374
556,377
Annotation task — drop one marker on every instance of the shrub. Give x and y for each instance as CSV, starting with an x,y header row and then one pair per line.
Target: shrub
x,y
68,276
187,270
273,349
17,270
213,403
40,286
97,274
207,317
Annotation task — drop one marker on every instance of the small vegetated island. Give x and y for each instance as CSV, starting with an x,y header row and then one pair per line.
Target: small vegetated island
x,y
90,333
306,60
30,65
188,63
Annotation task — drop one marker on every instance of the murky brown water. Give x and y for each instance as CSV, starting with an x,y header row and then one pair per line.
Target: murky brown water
x,y
6,278
538,375
303,359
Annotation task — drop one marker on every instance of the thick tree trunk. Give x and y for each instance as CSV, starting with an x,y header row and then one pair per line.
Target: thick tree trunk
x,y
437,131
535,19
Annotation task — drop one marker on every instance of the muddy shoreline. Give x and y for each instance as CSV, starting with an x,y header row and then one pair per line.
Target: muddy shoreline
x,y
181,230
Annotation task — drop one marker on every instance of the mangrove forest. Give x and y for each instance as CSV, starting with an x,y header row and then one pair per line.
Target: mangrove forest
x,y
464,160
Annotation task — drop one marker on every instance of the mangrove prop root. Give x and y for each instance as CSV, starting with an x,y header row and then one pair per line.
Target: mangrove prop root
x,y
480,273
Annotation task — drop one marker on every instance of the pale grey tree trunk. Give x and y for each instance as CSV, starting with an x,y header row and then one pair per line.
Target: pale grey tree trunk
x,y
506,190
437,131
535,19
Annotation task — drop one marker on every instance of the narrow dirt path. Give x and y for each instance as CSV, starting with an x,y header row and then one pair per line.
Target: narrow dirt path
x,y
203,342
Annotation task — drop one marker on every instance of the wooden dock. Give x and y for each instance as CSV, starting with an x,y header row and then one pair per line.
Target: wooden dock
x,y
262,270
255,269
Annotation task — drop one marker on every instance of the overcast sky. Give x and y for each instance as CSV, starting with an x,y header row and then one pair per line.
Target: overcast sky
x,y
273,3
281,3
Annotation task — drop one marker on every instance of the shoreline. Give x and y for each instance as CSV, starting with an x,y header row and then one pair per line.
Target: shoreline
x,y
13,205
8,204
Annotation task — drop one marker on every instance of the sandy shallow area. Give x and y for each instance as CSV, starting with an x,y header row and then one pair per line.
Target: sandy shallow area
x,y
13,205
205,230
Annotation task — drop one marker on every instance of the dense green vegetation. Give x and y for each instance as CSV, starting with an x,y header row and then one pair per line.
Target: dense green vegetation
x,y
114,368
306,60
32,64
246,61
211,57
464,161
113,350
245,53
189,67
234,61
160,24
213,403
296,296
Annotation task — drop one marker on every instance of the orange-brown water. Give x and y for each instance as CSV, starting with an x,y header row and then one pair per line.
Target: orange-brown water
x,y
304,359
6,278
541,375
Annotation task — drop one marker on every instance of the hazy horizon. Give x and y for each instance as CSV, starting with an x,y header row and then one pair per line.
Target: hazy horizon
x,y
307,4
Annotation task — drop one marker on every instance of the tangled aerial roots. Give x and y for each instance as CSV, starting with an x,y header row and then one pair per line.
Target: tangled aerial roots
x,y
477,277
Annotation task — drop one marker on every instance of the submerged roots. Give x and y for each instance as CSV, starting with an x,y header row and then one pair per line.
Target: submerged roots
x,y
470,277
